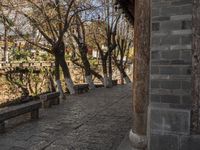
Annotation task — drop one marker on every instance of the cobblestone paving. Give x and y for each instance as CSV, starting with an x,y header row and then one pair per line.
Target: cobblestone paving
x,y
97,120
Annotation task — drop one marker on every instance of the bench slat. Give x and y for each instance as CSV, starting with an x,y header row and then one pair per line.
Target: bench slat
x,y
50,95
53,95
13,111
50,99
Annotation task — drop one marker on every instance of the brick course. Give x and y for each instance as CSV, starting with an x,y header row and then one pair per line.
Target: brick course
x,y
171,65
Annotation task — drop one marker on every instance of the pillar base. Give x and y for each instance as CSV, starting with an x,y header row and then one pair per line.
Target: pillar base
x,y
138,142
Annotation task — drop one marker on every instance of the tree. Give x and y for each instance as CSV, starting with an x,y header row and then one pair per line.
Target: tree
x,y
122,52
79,35
5,35
106,30
52,20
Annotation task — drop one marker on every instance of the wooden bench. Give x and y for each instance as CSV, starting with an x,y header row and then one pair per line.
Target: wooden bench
x,y
81,88
99,85
50,99
14,111
114,82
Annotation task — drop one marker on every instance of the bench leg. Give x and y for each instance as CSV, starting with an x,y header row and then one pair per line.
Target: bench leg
x,y
35,114
46,104
2,127
56,101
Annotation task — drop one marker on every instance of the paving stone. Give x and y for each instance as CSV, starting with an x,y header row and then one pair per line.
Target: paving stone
x,y
5,147
164,142
17,148
56,147
97,120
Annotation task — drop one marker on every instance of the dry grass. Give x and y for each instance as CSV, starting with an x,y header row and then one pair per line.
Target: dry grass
x,y
7,91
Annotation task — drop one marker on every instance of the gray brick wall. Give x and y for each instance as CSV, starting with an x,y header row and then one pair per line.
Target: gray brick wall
x,y
170,87
171,51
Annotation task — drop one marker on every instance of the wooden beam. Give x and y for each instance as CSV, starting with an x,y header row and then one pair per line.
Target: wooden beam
x,y
141,65
141,74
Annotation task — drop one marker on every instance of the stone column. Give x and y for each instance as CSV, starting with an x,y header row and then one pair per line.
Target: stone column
x,y
141,74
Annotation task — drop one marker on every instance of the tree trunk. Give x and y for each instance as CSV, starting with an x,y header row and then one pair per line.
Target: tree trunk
x,y
57,76
51,82
5,43
121,78
67,76
96,74
86,64
110,68
123,74
59,52
196,67
141,73
105,74
120,67
126,77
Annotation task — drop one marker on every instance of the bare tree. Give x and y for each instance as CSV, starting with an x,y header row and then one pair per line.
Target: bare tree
x,y
79,35
5,35
107,22
122,52
52,20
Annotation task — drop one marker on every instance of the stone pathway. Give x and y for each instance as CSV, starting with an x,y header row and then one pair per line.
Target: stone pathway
x,y
97,120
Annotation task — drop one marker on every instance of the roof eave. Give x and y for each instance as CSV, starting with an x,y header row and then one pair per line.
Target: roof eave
x,y
128,9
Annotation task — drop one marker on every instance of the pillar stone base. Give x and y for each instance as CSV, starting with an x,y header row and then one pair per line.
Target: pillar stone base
x,y
138,142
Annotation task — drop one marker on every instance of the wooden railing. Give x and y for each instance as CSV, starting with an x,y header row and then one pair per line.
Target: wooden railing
x,y
4,65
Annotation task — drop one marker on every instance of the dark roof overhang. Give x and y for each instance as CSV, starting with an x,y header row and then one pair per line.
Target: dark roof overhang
x,y
128,8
